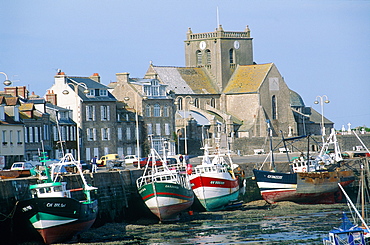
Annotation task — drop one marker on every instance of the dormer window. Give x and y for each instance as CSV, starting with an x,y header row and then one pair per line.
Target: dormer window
x,y
91,92
103,92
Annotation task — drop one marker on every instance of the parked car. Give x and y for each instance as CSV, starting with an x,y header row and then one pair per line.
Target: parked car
x,y
130,159
21,166
144,160
110,157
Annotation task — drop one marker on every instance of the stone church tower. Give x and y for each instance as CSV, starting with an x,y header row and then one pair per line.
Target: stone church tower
x,y
219,52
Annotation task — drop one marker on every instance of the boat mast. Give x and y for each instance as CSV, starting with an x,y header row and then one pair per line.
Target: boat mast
x,y
269,130
353,206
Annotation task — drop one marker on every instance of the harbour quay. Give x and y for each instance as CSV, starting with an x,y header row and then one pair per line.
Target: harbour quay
x,y
117,196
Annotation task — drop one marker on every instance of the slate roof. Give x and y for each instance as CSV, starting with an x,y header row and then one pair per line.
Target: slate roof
x,y
296,100
316,117
91,84
186,80
27,107
247,78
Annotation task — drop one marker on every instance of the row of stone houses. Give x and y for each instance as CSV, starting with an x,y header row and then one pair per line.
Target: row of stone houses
x,y
220,95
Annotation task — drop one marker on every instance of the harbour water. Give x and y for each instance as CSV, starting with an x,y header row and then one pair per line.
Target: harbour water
x,y
252,223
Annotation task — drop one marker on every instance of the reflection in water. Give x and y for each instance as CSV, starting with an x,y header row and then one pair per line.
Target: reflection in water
x,y
297,229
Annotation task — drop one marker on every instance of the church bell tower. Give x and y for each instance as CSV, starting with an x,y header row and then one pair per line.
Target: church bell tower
x,y
219,52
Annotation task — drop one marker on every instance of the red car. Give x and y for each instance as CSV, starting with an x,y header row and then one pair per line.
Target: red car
x,y
144,160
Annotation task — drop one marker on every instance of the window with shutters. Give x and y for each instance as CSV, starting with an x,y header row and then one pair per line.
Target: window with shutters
x,y
90,113
104,110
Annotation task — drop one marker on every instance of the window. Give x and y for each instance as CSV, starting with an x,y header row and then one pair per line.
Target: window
x,y
104,113
158,129
179,105
90,134
91,92
150,129
148,111
129,150
199,57
231,56
165,111
128,133
157,110
46,132
119,133
105,134
103,92
274,107
213,102
26,129
167,129
90,113
196,102
4,136
19,136
36,135
208,56
30,133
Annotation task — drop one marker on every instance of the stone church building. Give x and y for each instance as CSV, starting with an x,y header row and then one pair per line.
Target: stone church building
x,y
226,94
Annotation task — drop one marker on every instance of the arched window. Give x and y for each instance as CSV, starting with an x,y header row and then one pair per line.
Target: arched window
x,y
199,57
148,111
208,56
213,103
196,102
157,110
231,56
274,107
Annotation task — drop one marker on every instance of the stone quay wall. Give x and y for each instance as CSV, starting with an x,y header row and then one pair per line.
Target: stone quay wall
x,y
246,146
117,195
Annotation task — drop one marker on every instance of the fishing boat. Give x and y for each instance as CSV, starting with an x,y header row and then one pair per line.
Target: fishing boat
x,y
314,185
346,234
213,181
165,189
54,211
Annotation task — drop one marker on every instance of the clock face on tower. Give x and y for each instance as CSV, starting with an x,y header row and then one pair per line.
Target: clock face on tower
x,y
202,45
236,45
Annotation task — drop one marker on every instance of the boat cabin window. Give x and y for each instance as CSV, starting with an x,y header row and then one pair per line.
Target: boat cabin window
x,y
58,188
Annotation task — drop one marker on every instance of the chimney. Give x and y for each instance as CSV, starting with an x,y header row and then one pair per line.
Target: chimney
x,y
95,77
60,77
123,78
11,90
51,97
22,92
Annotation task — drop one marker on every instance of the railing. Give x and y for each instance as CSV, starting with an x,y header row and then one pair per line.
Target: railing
x,y
208,35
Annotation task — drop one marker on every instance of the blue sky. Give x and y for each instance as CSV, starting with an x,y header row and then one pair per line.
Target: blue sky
x,y
320,47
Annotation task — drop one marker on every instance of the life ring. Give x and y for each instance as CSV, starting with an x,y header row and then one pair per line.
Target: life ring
x,y
304,169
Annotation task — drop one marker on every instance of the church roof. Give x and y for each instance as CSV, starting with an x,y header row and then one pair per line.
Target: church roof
x,y
295,99
186,80
247,78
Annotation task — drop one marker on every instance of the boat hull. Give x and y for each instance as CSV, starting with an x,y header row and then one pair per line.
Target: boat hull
x,y
166,200
310,188
215,191
56,219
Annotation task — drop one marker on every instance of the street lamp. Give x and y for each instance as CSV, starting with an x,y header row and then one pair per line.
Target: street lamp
x,y
185,117
321,102
7,82
137,128
86,91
